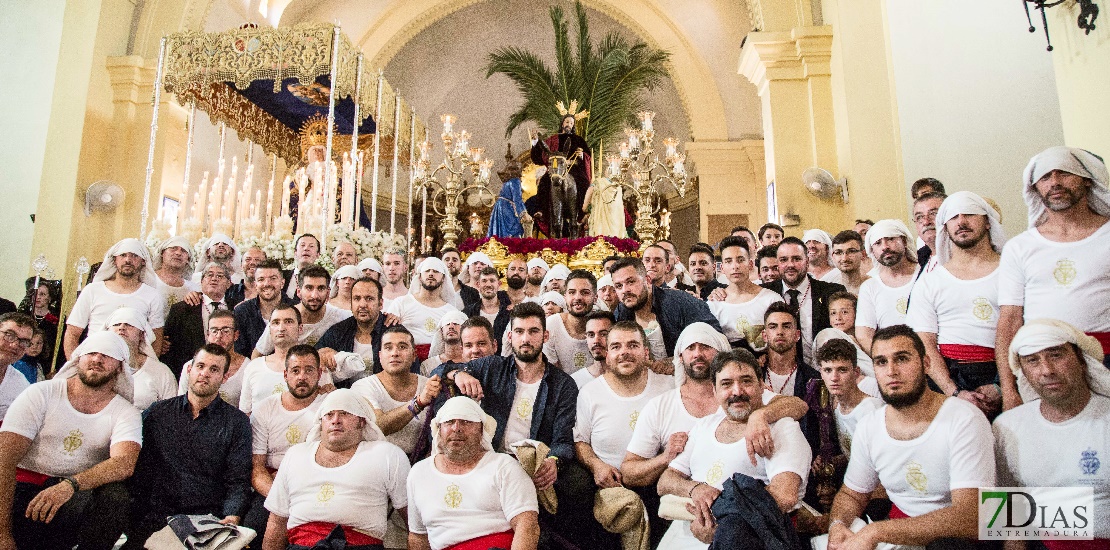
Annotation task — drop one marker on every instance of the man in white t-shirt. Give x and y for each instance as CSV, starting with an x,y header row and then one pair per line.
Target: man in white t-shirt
x,y
954,307
537,270
398,396
265,376
818,249
885,298
715,451
1058,441
173,262
447,342
931,453
340,485
395,267
467,493
598,324
279,422
848,256
16,331
429,299
316,314
125,278
566,342
65,447
1057,268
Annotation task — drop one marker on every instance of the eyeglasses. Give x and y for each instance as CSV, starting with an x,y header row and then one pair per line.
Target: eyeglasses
x,y
842,251
221,330
214,275
13,338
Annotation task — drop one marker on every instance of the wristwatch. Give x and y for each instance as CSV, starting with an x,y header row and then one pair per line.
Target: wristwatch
x,y
73,483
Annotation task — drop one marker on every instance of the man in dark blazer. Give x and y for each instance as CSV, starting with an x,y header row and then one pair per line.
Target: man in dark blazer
x,y
186,324
809,295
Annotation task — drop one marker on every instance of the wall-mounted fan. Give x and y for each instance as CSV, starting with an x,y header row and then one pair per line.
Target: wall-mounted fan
x,y
823,185
103,196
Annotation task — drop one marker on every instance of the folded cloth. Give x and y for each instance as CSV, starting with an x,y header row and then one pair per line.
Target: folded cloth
x,y
620,511
348,365
199,532
673,508
531,454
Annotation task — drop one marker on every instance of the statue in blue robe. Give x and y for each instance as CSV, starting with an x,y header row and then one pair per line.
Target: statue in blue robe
x,y
505,219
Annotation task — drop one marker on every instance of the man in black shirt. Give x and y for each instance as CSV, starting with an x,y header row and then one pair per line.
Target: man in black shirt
x,y
196,456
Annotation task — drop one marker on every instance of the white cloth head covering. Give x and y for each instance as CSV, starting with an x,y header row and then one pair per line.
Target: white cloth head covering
x,y
559,271
604,281
345,272
446,290
438,345
236,265
862,359
887,228
371,264
696,333
1073,161
131,316
464,408
347,400
171,242
538,262
965,202
819,235
472,259
107,343
135,246
552,296
1040,334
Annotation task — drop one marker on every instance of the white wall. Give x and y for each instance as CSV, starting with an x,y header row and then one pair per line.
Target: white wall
x,y
976,96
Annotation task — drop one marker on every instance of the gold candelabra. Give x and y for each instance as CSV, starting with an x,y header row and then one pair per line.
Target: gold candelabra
x,y
466,173
639,169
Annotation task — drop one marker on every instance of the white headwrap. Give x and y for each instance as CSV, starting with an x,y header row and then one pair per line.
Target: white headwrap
x,y
446,290
347,400
464,408
135,246
1073,161
604,281
696,333
552,296
538,262
472,259
345,272
438,345
107,343
371,264
131,316
1040,334
819,235
965,202
236,265
884,229
862,359
170,243
559,271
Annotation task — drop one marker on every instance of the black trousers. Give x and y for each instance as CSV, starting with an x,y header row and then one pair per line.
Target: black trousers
x,y
574,521
92,519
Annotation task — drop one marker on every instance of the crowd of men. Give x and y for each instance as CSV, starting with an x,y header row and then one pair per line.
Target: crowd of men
x,y
851,390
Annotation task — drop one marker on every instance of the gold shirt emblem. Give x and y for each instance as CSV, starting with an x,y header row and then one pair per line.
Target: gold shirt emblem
x,y
1065,272
902,305
429,324
916,478
327,490
716,473
227,398
453,498
524,408
278,388
73,441
293,434
981,308
579,360
632,418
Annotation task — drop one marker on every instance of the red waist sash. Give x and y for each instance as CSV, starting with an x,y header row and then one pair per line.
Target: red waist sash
x,y
896,513
496,540
965,352
422,351
27,476
308,534
1096,544
1103,338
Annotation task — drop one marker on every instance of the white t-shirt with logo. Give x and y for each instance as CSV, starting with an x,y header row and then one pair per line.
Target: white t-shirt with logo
x,y
745,320
153,382
450,509
14,383
881,305
606,420
259,382
1033,452
357,494
662,417
1058,280
519,425
96,303
421,320
274,429
310,332
175,294
846,423
64,441
956,451
569,353
372,390
957,311
582,377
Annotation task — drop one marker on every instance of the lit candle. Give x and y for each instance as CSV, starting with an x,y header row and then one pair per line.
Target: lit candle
x,y
614,165
624,149
425,148
476,154
448,124
633,140
670,144
645,120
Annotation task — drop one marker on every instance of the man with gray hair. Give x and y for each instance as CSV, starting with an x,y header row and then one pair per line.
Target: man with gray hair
x,y
186,324
344,254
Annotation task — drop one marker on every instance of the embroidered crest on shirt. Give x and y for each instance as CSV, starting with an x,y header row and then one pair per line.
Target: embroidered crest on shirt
x,y
1065,272
524,408
73,441
716,473
1090,463
293,434
632,418
579,360
327,490
453,498
226,398
902,305
916,478
429,324
278,388
981,308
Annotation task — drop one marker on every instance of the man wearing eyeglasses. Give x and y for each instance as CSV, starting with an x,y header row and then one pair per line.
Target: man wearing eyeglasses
x,y
16,330
848,255
186,324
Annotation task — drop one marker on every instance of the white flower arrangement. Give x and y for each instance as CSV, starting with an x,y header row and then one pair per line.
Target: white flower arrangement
x,y
367,244
276,247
